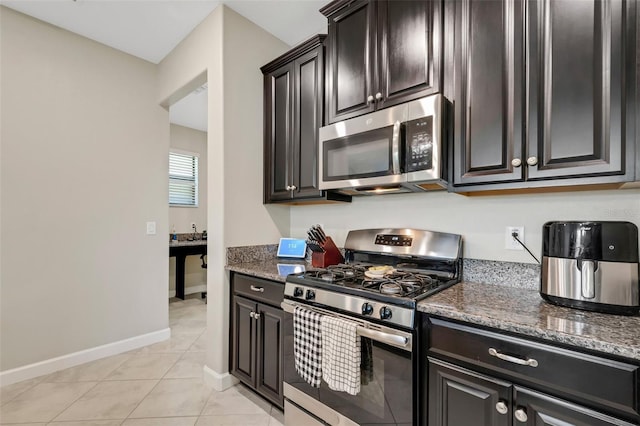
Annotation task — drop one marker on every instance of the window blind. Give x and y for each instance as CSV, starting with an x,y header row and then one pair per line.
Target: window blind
x,y
183,179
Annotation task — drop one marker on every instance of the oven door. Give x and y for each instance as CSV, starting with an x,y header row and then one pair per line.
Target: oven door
x,y
387,394
362,152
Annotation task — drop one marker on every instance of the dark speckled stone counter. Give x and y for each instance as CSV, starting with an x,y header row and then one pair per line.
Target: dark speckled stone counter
x,y
187,243
523,311
267,268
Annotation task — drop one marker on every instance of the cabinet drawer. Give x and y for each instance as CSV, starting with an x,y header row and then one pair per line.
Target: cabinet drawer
x,y
585,378
266,291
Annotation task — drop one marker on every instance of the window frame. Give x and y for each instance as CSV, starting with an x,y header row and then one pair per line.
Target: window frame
x,y
195,159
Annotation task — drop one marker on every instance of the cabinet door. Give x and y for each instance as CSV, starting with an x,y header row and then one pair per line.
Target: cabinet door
x,y
270,354
243,350
308,90
578,87
459,397
536,409
488,91
408,54
278,122
351,60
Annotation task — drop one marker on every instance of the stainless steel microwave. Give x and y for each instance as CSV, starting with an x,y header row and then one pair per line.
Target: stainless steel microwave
x,y
398,149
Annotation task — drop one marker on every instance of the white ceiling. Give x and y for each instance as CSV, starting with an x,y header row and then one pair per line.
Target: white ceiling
x,y
150,29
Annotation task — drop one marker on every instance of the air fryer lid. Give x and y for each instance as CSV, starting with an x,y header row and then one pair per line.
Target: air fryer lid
x,y
606,241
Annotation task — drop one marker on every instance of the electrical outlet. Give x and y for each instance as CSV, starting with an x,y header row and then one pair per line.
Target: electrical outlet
x,y
510,243
193,225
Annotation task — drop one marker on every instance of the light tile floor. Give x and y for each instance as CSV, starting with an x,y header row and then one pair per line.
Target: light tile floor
x,y
158,385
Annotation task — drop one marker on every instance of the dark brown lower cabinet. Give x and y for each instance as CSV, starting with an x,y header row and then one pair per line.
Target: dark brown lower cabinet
x,y
480,376
256,336
461,397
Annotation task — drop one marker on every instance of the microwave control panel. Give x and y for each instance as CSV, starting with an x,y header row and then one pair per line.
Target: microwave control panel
x,y
419,148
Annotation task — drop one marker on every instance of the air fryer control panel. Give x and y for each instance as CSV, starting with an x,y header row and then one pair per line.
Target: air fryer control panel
x,y
606,241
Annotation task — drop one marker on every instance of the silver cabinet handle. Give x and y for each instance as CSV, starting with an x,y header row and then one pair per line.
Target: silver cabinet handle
x,y
288,187
252,314
516,162
369,99
378,96
532,161
529,362
256,315
501,407
257,289
521,415
293,187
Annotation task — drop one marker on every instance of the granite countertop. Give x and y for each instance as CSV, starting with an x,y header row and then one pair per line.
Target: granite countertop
x,y
268,269
525,312
187,243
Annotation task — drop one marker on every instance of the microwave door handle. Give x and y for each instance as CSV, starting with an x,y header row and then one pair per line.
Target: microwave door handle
x,y
395,149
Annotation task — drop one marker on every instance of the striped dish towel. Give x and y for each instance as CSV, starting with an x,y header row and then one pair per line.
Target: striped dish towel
x,y
340,354
307,345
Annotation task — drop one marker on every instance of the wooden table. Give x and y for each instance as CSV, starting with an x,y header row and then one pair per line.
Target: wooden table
x,y
180,250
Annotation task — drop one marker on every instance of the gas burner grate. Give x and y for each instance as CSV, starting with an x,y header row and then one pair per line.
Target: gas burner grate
x,y
338,274
402,284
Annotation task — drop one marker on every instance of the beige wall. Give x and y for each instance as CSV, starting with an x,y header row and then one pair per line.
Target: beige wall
x,y
83,168
480,219
229,50
193,141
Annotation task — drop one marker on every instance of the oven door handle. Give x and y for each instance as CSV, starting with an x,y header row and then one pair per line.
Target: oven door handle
x,y
379,336
397,340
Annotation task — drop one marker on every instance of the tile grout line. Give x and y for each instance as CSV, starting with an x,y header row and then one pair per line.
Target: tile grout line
x,y
156,385
74,401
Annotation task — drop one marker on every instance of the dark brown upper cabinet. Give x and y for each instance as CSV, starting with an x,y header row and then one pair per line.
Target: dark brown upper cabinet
x,y
489,83
380,53
544,93
293,113
581,86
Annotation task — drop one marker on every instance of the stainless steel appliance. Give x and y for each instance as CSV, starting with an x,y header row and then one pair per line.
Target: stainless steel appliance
x,y
591,265
398,149
419,264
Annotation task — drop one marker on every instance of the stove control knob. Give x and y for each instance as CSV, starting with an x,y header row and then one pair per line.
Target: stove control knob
x,y
297,292
385,313
310,295
367,309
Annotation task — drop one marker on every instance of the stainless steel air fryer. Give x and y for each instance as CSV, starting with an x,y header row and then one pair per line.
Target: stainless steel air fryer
x,y
591,265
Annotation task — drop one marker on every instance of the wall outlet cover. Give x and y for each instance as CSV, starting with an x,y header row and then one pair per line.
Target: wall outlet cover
x,y
510,243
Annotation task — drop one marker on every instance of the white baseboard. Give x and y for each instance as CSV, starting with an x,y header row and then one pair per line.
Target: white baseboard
x,y
217,381
52,365
190,290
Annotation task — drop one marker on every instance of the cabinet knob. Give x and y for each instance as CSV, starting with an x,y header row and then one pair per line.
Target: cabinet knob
x,y
501,407
516,162
293,187
532,161
370,99
378,96
288,187
252,314
521,415
256,315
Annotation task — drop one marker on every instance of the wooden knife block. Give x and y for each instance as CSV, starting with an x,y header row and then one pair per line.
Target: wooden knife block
x,y
331,255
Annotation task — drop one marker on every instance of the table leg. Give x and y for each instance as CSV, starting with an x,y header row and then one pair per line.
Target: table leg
x,y
180,261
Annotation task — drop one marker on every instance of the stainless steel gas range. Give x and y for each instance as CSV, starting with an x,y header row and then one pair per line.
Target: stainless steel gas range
x,y
386,272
